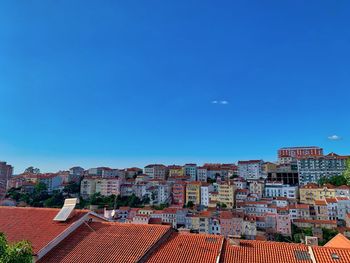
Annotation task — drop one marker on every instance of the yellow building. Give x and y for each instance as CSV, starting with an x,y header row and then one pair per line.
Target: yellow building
x,y
193,193
311,192
226,193
176,170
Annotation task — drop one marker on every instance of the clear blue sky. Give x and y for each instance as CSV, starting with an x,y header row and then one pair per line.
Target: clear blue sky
x,y
123,83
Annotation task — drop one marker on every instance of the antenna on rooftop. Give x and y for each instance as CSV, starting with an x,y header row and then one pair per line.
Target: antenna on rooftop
x,y
67,210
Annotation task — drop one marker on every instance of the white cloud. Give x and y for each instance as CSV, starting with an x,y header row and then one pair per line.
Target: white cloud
x,y
334,138
222,102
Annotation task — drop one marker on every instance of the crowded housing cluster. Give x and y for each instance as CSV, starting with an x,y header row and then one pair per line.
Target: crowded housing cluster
x,y
251,199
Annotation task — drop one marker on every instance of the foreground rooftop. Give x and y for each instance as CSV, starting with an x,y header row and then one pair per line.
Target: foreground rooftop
x,y
86,237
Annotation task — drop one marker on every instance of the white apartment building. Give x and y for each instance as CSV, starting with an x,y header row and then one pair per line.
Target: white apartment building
x,y
202,174
275,189
205,195
251,170
191,171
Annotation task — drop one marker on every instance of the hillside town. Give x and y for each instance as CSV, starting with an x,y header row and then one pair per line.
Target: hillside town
x,y
303,197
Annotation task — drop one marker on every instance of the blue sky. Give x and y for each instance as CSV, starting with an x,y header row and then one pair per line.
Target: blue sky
x,y
126,83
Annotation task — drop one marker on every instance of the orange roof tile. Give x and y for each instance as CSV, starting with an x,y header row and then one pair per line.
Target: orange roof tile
x,y
339,241
184,247
262,252
33,224
106,242
324,255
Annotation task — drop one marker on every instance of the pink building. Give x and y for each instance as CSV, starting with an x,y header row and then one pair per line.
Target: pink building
x,y
284,226
179,193
231,224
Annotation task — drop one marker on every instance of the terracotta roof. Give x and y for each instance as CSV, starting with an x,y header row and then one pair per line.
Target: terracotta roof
x,y
299,206
184,247
106,242
320,202
263,251
33,224
329,254
339,241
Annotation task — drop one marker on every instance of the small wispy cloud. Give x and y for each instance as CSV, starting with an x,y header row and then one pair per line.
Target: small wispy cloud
x,y
334,138
222,102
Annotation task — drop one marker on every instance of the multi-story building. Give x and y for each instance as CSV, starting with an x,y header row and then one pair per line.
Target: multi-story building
x,y
179,193
132,172
284,226
191,171
156,171
286,173
202,174
88,186
108,186
298,211
257,187
6,172
251,170
175,171
231,224
164,193
226,194
311,192
278,189
205,194
290,154
249,227
193,190
52,181
312,169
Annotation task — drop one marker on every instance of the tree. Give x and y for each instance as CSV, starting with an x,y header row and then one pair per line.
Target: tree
x,y
190,204
346,173
334,180
20,252
32,170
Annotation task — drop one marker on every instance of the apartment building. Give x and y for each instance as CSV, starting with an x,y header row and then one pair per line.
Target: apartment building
x,y
191,171
226,194
288,155
108,186
312,169
156,171
205,194
193,192
179,193
202,174
6,172
251,170
175,171
311,192
278,189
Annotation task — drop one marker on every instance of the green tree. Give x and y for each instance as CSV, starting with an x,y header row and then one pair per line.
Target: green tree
x,y
334,180
20,252
72,188
346,173
190,204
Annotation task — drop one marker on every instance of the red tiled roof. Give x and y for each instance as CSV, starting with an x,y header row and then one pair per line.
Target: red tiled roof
x,y
262,252
184,247
339,241
106,242
324,254
33,224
